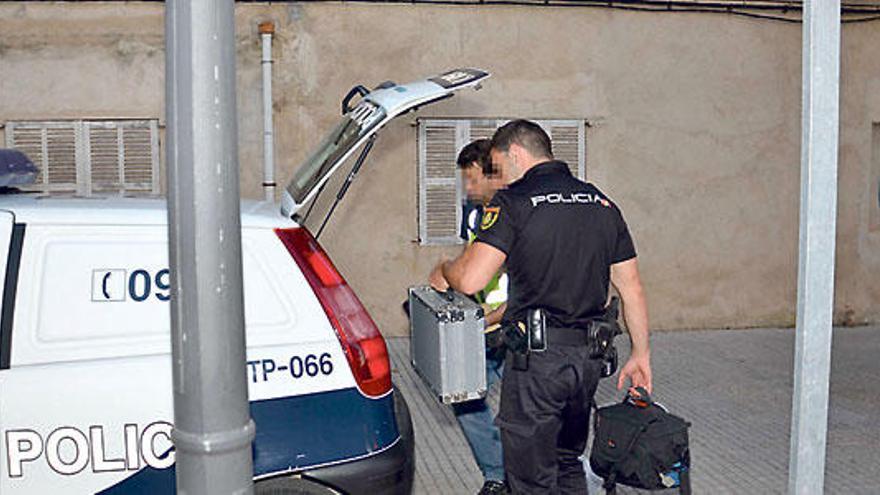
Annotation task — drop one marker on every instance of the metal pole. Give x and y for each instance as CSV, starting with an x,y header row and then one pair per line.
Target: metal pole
x,y
267,30
821,80
213,431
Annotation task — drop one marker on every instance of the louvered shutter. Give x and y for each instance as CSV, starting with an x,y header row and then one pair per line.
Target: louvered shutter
x,y
140,170
52,147
104,156
568,138
123,156
118,156
439,189
568,141
30,141
482,129
440,184
61,153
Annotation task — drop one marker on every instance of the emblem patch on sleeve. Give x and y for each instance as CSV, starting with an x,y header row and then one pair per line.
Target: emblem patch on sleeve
x,y
490,216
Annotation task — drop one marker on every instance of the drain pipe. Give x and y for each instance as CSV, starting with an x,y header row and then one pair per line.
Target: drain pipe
x,y
267,30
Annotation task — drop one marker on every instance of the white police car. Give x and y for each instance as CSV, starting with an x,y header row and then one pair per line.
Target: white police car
x,y
85,368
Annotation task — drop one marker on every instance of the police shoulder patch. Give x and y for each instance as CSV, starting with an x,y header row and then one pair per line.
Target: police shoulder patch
x,y
490,216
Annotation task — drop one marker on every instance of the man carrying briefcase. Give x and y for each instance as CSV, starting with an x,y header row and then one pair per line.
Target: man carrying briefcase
x,y
475,417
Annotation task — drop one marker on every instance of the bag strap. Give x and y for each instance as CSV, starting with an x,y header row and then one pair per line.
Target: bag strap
x,y
643,399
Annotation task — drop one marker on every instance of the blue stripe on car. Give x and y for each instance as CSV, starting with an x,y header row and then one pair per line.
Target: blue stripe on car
x,y
295,433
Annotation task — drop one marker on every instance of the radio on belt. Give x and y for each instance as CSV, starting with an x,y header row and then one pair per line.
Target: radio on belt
x,y
447,345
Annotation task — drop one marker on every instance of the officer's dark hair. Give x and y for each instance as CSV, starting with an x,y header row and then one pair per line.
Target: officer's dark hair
x,y
525,133
476,152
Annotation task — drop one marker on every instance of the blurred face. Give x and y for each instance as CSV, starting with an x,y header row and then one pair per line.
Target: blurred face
x,y
505,164
478,186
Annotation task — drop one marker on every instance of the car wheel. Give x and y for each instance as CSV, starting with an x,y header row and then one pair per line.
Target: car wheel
x,y
292,485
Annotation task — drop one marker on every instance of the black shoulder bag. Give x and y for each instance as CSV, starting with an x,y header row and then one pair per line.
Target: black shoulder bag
x,y
639,444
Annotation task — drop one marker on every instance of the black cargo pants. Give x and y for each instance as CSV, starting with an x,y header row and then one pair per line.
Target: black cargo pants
x,y
545,418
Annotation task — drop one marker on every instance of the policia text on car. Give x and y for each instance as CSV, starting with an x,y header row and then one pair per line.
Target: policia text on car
x,y
563,241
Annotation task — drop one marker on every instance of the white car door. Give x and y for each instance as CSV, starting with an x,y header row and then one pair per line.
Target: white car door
x,y
85,397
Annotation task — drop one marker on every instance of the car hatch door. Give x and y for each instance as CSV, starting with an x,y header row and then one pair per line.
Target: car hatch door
x,y
360,123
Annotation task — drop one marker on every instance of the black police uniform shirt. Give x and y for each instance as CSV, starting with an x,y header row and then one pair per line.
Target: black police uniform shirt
x,y
560,235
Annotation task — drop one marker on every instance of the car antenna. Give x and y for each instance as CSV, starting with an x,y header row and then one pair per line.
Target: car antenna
x,y
348,180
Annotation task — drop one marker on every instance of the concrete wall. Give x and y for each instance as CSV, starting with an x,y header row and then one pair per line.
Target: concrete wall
x,y
696,129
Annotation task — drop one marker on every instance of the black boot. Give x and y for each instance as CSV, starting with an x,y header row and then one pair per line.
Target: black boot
x,y
492,487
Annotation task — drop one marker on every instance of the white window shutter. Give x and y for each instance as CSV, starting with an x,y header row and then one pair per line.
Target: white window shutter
x,y
569,142
567,136
104,156
30,140
439,184
482,129
86,157
54,148
139,158
61,153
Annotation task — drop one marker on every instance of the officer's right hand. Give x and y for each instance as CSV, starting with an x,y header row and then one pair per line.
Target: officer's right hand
x,y
638,370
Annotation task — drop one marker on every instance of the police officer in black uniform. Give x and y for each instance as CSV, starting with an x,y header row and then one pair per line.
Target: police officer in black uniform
x,y
563,241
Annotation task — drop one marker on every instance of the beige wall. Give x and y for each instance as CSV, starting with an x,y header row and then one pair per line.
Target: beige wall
x,y
696,129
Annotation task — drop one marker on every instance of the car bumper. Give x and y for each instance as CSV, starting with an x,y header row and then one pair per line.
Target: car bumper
x,y
388,472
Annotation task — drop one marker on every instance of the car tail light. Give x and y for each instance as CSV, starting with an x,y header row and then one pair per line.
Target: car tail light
x,y
360,338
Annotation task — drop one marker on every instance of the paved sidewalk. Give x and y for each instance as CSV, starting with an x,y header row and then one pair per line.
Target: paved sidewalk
x,y
733,385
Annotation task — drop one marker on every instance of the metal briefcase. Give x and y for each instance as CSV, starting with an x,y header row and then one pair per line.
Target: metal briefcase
x,y
447,344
